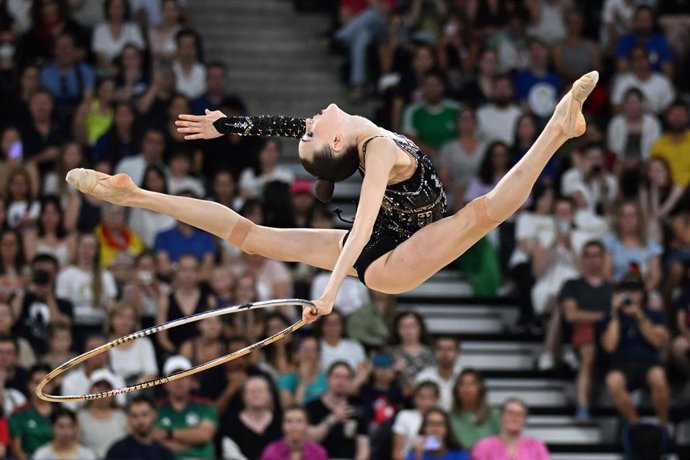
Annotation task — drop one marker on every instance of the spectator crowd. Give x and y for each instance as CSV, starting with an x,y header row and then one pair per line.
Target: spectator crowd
x,y
597,260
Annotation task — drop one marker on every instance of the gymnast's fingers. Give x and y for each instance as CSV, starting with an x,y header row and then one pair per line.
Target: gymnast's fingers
x,y
188,130
197,118
191,137
186,123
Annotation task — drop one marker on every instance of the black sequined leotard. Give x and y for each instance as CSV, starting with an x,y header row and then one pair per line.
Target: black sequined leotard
x,y
407,206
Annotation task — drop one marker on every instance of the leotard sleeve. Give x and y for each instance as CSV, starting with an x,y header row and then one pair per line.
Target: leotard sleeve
x,y
265,126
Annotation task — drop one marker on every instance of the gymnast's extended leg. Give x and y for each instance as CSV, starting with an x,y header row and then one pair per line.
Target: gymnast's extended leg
x,y
438,244
316,247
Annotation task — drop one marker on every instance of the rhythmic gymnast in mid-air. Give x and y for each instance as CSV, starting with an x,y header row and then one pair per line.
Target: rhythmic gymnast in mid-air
x,y
400,236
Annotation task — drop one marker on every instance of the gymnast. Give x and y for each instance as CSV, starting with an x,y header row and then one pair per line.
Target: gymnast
x,y
400,236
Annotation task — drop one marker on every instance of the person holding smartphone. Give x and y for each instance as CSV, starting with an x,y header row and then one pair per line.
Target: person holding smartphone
x,y
436,440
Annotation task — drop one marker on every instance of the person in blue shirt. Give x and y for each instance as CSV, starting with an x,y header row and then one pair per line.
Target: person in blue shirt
x,y
537,87
634,335
67,79
643,34
436,440
216,88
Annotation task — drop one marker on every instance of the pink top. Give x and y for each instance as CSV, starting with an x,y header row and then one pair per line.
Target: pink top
x,y
492,448
279,450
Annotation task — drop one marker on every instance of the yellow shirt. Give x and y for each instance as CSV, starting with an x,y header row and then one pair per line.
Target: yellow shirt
x,y
677,155
109,250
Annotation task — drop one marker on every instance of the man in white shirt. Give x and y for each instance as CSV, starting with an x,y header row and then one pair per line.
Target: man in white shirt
x,y
497,120
446,370
152,148
190,74
655,86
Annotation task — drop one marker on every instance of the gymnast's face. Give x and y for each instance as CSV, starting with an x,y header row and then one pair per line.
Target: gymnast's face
x,y
322,129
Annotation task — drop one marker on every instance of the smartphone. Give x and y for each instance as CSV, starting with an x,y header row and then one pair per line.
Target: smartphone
x,y
432,443
16,150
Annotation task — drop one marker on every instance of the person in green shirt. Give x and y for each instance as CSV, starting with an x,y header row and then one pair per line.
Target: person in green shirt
x,y
30,425
471,417
185,424
370,324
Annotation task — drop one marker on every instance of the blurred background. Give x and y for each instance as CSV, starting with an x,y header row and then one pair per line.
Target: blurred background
x,y
564,333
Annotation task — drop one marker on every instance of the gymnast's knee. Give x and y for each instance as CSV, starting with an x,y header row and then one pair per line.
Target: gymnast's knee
x,y
240,232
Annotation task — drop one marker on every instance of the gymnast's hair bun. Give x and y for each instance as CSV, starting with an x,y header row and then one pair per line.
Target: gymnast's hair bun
x,y
324,190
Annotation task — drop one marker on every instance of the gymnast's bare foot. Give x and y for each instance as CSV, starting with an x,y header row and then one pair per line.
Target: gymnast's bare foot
x,y
115,189
568,114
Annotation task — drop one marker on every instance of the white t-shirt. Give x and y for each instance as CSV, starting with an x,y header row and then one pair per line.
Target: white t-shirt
x,y
147,224
592,191
75,285
99,435
193,84
347,350
445,401
657,89
137,360
255,184
105,43
351,296
618,13
46,452
498,124
528,226
551,26
617,134
20,209
407,424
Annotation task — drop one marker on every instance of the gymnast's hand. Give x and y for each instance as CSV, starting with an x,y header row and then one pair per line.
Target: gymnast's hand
x,y
199,126
309,315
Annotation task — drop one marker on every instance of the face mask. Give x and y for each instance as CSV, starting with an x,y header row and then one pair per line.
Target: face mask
x,y
6,51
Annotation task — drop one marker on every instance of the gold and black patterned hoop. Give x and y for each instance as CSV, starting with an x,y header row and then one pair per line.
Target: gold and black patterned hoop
x,y
163,327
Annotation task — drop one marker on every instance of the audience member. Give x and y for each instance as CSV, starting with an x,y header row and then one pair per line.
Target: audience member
x,y
674,142
65,441
30,425
471,417
409,345
295,443
382,396
409,421
15,376
134,361
497,119
631,133
216,87
25,355
536,87
370,324
436,440
190,74
445,371
152,147
182,240
335,346
575,54
308,381
110,37
161,38
643,34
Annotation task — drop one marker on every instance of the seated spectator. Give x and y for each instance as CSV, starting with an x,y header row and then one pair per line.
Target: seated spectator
x,y
295,443
445,371
479,89
273,278
436,440
185,424
335,420
674,142
78,381
512,42
656,87
119,245
161,37
277,358
180,180
497,119
190,73
110,37
409,345
575,55
628,243
94,116
643,34
140,443
431,122
589,182
616,21
352,294
21,206
409,421
26,356
184,240
335,346
584,302
13,270
224,190
526,133
145,290
132,78
30,425
471,417
67,78
51,238
153,105
147,224
209,344
121,140
408,89
660,198
510,443
254,180
11,399
369,324
256,426
101,421
39,306
381,396
69,157
680,346
88,287
134,361
12,158
635,336
547,19
460,159
41,133
59,339
456,49
631,133
222,285
188,297
308,381
174,140
536,87
216,88
152,147
65,440
15,376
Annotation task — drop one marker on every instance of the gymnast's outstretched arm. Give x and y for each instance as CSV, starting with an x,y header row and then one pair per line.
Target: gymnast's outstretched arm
x,y
215,124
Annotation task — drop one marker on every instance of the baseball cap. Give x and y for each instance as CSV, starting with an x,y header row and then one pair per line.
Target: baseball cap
x,y
175,364
300,186
382,360
103,375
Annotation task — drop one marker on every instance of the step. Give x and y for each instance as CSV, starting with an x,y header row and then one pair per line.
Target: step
x,y
500,361
564,434
544,397
585,456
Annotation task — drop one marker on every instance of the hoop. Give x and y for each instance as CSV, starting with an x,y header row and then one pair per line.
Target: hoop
x,y
163,327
